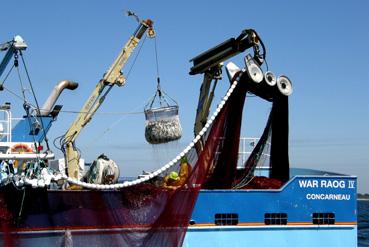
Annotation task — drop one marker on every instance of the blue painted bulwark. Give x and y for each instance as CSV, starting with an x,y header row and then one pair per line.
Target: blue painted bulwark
x,y
307,211
299,199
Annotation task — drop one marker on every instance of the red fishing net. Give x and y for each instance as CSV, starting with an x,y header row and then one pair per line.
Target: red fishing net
x,y
143,215
149,214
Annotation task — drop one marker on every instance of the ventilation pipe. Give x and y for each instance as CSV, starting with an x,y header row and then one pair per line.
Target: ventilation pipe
x,y
50,102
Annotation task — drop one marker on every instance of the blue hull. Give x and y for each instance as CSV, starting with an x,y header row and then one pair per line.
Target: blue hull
x,y
307,211
272,236
307,205
212,236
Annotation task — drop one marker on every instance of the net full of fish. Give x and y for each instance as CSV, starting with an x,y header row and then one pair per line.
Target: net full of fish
x,y
163,130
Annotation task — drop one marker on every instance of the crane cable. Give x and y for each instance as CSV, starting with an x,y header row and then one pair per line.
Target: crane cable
x,y
35,99
159,92
135,112
171,163
20,98
26,106
135,58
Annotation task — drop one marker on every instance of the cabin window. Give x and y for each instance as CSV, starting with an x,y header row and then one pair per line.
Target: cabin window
x,y
275,219
323,218
226,219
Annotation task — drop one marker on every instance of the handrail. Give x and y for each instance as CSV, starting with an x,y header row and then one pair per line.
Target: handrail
x,y
8,121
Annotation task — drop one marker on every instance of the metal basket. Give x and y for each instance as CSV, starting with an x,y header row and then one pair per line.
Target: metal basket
x,y
162,123
155,114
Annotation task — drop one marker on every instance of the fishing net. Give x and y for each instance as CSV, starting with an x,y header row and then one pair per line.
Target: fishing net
x,y
254,159
148,214
152,213
273,142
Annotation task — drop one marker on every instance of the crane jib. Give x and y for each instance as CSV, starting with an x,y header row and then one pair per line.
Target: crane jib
x,y
112,77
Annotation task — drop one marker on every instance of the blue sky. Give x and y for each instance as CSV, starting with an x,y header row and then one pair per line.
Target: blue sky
x,y
321,45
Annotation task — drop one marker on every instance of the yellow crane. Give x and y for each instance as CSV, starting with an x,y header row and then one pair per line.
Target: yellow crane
x,y
113,76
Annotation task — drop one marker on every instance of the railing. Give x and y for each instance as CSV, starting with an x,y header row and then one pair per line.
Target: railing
x,y
5,125
247,144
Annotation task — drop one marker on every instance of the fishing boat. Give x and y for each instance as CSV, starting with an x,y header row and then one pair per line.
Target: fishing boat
x,y
223,199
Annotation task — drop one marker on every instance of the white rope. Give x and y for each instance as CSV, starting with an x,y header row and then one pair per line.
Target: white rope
x,y
170,163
